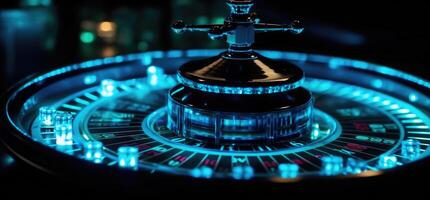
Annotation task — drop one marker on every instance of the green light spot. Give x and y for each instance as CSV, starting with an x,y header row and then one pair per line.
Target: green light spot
x,y
218,20
87,37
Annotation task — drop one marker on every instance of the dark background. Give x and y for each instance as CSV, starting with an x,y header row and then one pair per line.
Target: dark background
x,y
37,35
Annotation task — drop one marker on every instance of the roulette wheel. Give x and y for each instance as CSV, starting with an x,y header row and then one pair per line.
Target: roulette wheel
x,y
237,117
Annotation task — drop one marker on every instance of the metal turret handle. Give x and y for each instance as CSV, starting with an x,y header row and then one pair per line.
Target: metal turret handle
x,y
239,28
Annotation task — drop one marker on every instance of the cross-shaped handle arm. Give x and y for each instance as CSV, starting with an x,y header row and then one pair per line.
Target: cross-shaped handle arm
x,y
295,27
180,27
215,31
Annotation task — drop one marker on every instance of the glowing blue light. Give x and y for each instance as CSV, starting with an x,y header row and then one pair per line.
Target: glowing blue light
x,y
413,97
152,70
288,170
46,116
146,59
366,95
411,149
158,54
387,161
412,121
155,75
386,102
63,118
63,135
331,165
403,111
315,133
273,54
90,79
394,106
376,99
411,115
242,172
107,87
335,63
238,90
63,128
202,52
302,57
174,54
359,64
202,172
128,157
377,83
418,127
356,93
235,123
93,150
354,166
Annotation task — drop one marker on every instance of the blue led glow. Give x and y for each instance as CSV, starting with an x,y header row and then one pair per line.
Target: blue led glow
x,y
233,124
403,111
354,166
146,59
174,54
239,90
192,53
107,87
63,135
412,121
395,106
288,170
411,149
376,99
242,172
411,115
93,150
386,102
315,133
63,128
377,83
46,116
63,118
202,172
413,97
155,75
128,157
387,161
331,165
90,79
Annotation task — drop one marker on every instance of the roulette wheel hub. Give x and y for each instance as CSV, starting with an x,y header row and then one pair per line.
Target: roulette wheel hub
x,y
229,91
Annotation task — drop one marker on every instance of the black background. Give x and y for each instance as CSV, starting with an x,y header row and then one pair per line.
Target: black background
x,y
392,33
